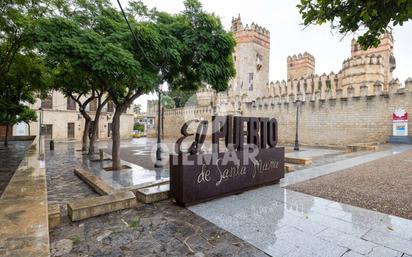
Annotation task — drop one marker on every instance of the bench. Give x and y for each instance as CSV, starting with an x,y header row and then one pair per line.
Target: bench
x,y
153,194
298,160
54,215
95,182
95,206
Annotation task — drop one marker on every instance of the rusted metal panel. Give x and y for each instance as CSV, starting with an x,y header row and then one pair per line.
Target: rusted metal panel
x,y
251,159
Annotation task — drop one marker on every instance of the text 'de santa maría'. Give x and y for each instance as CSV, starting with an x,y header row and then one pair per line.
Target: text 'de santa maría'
x,y
243,156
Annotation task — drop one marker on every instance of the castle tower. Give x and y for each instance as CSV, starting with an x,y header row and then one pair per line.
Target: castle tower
x,y
251,58
385,49
300,66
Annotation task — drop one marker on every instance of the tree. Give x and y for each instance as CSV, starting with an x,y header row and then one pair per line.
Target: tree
x,y
139,127
25,80
73,49
181,97
168,102
375,16
23,76
185,50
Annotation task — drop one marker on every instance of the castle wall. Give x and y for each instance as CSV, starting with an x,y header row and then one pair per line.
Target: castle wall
x,y
300,66
334,120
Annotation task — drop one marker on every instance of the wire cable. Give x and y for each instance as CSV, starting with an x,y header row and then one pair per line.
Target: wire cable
x,y
135,37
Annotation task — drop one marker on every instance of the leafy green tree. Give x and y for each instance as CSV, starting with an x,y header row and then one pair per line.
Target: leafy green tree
x,y
75,51
23,76
138,127
184,50
375,16
181,97
26,79
168,102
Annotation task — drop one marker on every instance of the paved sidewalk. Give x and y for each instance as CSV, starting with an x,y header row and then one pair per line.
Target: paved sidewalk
x,y
282,222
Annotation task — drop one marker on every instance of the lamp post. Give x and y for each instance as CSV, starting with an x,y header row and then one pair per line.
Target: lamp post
x,y
296,148
158,163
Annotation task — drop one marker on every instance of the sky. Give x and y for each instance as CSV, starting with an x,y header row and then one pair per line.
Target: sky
x,y
289,37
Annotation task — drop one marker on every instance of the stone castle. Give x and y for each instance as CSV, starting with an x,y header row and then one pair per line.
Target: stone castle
x,y
365,80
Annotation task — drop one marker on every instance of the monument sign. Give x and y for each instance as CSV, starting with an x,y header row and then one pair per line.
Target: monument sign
x,y
248,159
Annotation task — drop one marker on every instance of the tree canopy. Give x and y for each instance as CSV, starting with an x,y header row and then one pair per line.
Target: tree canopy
x,y
23,74
373,17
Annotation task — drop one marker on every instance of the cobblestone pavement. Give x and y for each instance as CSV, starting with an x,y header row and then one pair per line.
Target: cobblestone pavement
x,y
62,184
161,229
10,158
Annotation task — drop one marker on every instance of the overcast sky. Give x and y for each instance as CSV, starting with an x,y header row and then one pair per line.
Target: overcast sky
x,y
288,37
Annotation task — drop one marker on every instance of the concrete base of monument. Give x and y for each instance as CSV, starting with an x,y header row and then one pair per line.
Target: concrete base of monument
x,y
153,194
236,192
400,140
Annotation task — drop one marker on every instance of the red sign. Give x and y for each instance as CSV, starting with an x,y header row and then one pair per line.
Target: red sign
x,y
400,115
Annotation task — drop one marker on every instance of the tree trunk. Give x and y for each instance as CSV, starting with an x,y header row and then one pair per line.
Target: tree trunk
x,y
6,138
85,133
28,127
94,135
96,126
116,139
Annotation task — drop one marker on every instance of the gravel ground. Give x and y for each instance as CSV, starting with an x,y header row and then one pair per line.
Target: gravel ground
x,y
10,158
384,185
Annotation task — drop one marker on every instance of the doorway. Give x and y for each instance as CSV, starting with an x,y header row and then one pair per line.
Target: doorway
x,y
70,130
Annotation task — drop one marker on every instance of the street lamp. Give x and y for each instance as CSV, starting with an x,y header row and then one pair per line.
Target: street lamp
x,y
296,148
158,163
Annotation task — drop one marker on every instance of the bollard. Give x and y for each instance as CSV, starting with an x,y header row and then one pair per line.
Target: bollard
x,y
101,154
51,145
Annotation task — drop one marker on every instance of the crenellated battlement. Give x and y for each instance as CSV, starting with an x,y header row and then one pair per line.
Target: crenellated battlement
x,y
303,56
300,66
349,106
319,96
371,59
247,34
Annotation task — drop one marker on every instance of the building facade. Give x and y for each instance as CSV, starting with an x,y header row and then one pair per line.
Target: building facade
x,y
61,120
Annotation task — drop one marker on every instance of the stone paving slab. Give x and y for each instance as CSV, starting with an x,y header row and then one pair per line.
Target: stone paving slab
x,y
282,222
23,208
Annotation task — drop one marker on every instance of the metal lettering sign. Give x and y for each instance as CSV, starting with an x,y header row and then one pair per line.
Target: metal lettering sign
x,y
248,159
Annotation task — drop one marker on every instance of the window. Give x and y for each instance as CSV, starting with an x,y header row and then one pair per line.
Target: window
x,y
250,77
71,104
259,61
250,81
47,103
93,105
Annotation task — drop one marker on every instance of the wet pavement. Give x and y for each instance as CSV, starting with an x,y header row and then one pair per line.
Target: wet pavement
x,y
10,158
160,229
270,220
282,222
